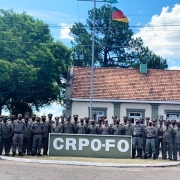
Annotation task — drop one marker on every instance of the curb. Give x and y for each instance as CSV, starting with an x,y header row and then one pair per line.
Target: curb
x,y
87,163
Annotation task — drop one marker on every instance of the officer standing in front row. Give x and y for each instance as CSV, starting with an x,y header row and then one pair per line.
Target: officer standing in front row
x,y
150,133
17,128
168,135
37,129
137,139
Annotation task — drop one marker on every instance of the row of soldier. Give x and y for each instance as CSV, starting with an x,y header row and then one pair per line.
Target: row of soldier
x,y
31,134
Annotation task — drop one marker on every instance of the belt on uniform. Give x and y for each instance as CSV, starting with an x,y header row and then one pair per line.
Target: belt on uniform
x,y
150,138
140,135
17,132
37,133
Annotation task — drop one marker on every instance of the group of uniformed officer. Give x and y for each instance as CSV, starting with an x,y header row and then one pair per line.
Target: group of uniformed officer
x,y
30,134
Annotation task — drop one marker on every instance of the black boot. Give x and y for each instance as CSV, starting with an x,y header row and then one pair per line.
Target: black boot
x,y
140,153
145,156
20,154
13,154
133,153
154,156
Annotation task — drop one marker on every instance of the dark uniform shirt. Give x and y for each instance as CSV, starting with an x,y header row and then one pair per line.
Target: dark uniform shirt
x,y
81,128
37,128
117,129
93,129
106,129
26,131
69,128
56,128
150,132
168,134
18,126
6,130
46,128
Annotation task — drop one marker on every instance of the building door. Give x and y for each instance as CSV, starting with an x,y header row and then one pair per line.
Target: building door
x,y
134,115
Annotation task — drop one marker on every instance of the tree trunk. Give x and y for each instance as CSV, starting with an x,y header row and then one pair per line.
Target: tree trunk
x,y
105,57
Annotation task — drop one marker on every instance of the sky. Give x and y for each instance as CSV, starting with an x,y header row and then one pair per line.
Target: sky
x,y
157,22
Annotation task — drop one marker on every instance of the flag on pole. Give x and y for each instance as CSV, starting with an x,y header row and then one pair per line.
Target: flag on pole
x,y
118,15
111,1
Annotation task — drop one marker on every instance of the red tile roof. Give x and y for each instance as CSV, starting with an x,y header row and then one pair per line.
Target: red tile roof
x,y
127,84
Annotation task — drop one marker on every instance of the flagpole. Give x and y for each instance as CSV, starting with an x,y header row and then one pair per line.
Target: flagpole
x,y
92,62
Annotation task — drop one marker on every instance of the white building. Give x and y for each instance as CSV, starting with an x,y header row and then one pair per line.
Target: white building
x,y
124,92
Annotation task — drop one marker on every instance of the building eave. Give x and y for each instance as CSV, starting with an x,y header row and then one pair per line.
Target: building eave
x,y
126,101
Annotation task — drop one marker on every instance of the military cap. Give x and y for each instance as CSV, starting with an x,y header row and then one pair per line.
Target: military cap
x,y
19,115
173,120
86,118
118,120
43,116
62,116
57,117
137,120
160,120
34,115
5,117
50,114
141,119
150,121
68,117
147,118
105,120
154,120
92,120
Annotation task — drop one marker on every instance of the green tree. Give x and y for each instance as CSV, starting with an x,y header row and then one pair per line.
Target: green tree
x,y
27,42
114,43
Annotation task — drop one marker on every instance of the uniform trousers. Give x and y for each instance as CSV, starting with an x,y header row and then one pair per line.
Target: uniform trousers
x,y
17,141
167,146
37,142
4,143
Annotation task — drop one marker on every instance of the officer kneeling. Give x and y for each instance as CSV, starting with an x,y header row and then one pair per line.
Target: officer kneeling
x,y
37,129
150,132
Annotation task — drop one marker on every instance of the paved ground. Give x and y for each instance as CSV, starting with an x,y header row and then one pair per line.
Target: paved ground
x,y
30,171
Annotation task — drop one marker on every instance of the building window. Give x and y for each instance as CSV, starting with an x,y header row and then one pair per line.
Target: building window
x,y
134,115
99,111
173,116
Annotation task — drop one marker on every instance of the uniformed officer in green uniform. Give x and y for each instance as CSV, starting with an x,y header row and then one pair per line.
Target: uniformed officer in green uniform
x,y
128,128
143,135
37,129
57,126
176,141
17,128
68,127
114,118
105,128
62,119
27,135
168,135
117,129
6,131
12,118
32,120
160,137
137,139
81,128
75,122
93,129
173,125
45,134
150,133
87,124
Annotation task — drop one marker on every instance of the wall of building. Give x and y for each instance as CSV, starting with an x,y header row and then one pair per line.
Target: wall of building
x,y
163,107
82,108
125,106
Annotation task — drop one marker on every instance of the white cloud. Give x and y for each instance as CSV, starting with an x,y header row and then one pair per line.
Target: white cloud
x,y
65,30
174,68
162,35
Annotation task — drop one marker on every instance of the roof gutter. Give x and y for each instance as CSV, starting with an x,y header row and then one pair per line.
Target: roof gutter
x,y
126,101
